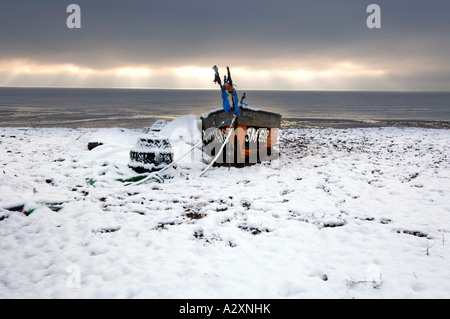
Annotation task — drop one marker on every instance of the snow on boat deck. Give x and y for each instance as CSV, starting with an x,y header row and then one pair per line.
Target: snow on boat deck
x,y
350,213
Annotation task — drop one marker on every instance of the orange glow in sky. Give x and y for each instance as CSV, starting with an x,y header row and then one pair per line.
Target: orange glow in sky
x,y
334,76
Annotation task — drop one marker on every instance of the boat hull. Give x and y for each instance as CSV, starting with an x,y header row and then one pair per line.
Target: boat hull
x,y
254,139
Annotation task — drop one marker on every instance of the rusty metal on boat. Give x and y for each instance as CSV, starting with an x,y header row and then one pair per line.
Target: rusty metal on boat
x,y
255,136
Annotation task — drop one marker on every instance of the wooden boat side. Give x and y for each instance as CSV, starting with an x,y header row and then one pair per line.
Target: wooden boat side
x,y
255,133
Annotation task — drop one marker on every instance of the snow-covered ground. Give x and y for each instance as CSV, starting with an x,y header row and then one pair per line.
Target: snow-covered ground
x,y
349,213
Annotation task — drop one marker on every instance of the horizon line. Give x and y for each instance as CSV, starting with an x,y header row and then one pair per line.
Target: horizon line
x,y
211,89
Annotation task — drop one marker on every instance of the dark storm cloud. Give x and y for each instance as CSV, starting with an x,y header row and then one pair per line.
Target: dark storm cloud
x,y
258,34
179,31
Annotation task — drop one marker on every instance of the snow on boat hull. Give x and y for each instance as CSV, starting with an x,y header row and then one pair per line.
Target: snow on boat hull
x,y
255,137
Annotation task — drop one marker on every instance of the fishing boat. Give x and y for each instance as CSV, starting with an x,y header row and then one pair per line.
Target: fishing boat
x,y
233,135
254,139
242,134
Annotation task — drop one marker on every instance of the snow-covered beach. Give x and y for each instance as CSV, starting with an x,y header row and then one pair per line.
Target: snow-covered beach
x,y
345,213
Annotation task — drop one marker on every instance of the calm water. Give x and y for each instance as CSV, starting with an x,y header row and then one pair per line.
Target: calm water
x,y
135,108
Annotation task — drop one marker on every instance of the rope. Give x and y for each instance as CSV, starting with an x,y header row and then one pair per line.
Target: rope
x,y
221,148
159,177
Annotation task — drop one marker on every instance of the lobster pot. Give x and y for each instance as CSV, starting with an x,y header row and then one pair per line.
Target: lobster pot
x,y
151,154
253,140
156,127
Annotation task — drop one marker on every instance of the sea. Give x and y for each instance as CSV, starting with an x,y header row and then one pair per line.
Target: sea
x,y
139,108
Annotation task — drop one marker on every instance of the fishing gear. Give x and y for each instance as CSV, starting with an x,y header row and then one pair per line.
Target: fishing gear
x,y
156,175
227,88
242,99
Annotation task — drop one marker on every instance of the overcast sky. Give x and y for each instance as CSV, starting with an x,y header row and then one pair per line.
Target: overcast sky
x,y
313,44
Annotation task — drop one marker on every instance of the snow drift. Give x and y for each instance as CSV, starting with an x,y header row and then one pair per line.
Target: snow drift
x,y
354,213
